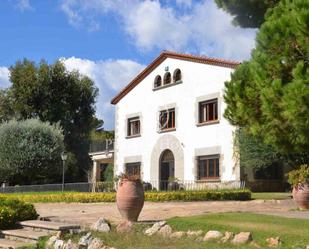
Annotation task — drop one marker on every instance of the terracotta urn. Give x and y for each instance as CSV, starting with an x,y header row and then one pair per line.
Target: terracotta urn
x,y
301,196
130,199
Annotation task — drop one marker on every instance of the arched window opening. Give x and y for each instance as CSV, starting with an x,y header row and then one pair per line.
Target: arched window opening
x,y
167,78
177,75
157,81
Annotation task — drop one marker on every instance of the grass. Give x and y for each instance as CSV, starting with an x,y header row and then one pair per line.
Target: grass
x,y
293,232
271,195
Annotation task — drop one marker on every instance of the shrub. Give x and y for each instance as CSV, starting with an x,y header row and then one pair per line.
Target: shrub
x,y
12,210
299,176
30,151
201,195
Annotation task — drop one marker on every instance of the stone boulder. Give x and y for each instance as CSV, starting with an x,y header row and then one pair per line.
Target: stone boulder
x,y
59,244
124,227
242,238
51,241
95,244
165,231
227,237
212,235
155,228
85,240
177,235
273,242
194,233
70,245
101,225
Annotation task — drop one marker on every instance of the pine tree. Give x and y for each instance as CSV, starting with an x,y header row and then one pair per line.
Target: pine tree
x,y
269,94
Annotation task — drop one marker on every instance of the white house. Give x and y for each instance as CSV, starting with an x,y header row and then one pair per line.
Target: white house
x,y
169,122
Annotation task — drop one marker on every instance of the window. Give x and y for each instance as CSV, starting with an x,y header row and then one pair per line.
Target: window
x,y
167,119
134,126
157,81
208,167
133,169
208,111
177,75
167,78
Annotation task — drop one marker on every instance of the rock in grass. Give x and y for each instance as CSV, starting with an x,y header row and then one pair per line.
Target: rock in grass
x,y
213,235
155,228
85,240
177,235
101,225
124,227
95,244
273,242
58,244
242,238
194,233
51,241
165,231
227,237
70,245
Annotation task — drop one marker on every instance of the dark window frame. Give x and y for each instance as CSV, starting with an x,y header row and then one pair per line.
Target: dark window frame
x,y
204,164
168,121
167,78
177,75
208,111
135,169
130,122
158,79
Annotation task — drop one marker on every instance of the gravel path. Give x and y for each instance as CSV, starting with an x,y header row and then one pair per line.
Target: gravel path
x,y
87,213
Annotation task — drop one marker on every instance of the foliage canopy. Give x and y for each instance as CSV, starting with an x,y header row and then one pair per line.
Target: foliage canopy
x,y
30,150
269,95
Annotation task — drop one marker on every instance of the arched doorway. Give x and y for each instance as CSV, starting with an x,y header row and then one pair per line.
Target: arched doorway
x,y
167,168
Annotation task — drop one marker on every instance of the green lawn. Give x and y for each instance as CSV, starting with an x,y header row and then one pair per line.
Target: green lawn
x,y
271,195
293,232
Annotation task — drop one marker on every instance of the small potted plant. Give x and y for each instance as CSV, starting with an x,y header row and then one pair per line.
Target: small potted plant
x,y
299,179
173,184
130,197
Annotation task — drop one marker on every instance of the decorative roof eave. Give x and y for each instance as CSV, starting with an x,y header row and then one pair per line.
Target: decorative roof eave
x,y
173,55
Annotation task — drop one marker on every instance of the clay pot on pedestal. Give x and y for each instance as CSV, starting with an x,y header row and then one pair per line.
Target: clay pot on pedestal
x,y
301,195
130,199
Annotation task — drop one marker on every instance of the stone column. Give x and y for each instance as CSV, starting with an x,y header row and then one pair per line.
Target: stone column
x,y
95,172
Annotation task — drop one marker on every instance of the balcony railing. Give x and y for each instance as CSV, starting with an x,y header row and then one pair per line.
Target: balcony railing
x,y
101,146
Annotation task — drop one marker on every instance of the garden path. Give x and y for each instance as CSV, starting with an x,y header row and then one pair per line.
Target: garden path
x,y
87,213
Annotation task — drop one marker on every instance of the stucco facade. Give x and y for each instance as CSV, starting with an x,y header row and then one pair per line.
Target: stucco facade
x,y
189,140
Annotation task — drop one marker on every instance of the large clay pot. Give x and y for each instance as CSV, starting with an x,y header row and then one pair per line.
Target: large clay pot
x,y
130,199
301,196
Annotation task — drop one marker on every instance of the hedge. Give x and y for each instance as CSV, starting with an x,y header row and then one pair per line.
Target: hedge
x,y
12,211
201,195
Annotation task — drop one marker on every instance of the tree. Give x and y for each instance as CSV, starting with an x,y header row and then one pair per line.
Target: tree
x,y
269,95
6,110
30,152
53,94
247,13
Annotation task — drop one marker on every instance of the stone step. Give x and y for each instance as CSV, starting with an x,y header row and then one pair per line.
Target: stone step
x,y
48,225
5,243
23,234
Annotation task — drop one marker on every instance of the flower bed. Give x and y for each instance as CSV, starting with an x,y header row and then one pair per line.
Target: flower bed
x,y
12,210
202,195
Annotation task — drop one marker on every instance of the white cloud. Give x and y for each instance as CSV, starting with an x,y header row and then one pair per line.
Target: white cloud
x,y
110,76
202,28
150,25
4,77
23,5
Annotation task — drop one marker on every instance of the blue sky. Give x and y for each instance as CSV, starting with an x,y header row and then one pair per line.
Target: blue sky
x,y
112,40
